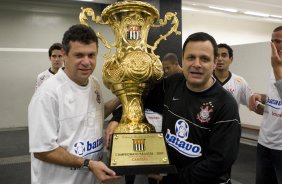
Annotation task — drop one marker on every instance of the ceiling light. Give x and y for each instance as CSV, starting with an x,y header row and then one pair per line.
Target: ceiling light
x,y
276,16
256,14
185,8
224,9
85,0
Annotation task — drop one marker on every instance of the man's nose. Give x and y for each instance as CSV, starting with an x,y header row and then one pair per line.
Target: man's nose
x,y
197,62
86,60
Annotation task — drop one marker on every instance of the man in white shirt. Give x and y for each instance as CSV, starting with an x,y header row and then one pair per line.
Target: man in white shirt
x,y
56,58
233,83
269,148
66,116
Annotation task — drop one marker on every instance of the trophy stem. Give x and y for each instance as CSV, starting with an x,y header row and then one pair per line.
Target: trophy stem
x,y
133,119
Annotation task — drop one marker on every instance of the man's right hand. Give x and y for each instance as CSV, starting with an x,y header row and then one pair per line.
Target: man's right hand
x,y
102,172
256,103
109,132
252,101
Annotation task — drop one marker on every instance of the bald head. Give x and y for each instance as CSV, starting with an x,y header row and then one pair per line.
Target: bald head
x,y
170,64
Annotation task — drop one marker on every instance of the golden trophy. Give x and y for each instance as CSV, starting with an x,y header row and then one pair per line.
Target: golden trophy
x,y
136,148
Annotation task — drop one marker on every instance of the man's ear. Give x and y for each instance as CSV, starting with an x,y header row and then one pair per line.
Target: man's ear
x,y
64,54
64,57
215,62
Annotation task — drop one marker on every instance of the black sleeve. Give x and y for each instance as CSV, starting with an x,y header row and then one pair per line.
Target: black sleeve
x,y
117,113
222,149
155,98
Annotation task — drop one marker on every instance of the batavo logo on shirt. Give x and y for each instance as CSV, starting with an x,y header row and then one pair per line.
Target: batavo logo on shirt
x,y
88,147
274,103
178,141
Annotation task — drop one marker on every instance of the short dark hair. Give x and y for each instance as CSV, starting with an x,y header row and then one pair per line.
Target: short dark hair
x,y
279,28
81,33
171,57
55,46
201,36
224,45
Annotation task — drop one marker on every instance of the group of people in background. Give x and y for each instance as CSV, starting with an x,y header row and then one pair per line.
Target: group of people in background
x,y
195,106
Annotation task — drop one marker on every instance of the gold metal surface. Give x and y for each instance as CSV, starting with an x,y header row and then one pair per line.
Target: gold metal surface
x,y
132,69
126,150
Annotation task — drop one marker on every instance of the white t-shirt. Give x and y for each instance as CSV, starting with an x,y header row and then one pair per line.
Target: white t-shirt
x,y
239,88
270,134
43,76
62,113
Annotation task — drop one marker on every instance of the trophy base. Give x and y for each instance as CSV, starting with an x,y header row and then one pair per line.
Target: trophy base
x,y
148,169
139,153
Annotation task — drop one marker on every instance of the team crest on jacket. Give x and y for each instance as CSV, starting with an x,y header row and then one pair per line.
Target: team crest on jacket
x,y
178,140
204,115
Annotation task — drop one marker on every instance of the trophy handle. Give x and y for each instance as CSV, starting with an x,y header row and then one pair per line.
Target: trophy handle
x,y
89,12
174,21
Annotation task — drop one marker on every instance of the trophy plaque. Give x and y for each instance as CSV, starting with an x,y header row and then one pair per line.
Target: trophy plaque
x,y
129,73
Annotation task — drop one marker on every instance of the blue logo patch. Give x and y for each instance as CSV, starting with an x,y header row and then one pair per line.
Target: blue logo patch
x,y
179,142
276,104
86,148
79,148
182,129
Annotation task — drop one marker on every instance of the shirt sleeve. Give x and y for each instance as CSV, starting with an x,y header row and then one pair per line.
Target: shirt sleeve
x,y
155,98
221,151
43,123
246,93
117,113
38,82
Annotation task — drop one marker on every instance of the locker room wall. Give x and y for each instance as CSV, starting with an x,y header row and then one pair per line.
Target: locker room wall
x,y
28,29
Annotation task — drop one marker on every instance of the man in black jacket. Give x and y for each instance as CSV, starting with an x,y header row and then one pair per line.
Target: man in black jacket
x,y
201,121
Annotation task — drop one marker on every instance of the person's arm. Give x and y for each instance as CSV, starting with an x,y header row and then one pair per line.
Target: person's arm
x,y
60,156
276,62
109,132
113,123
110,106
246,93
278,85
221,150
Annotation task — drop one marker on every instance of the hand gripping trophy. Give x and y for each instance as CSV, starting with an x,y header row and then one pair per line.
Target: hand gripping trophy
x,y
129,73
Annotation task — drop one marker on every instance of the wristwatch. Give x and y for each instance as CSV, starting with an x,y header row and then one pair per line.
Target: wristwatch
x,y
85,165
